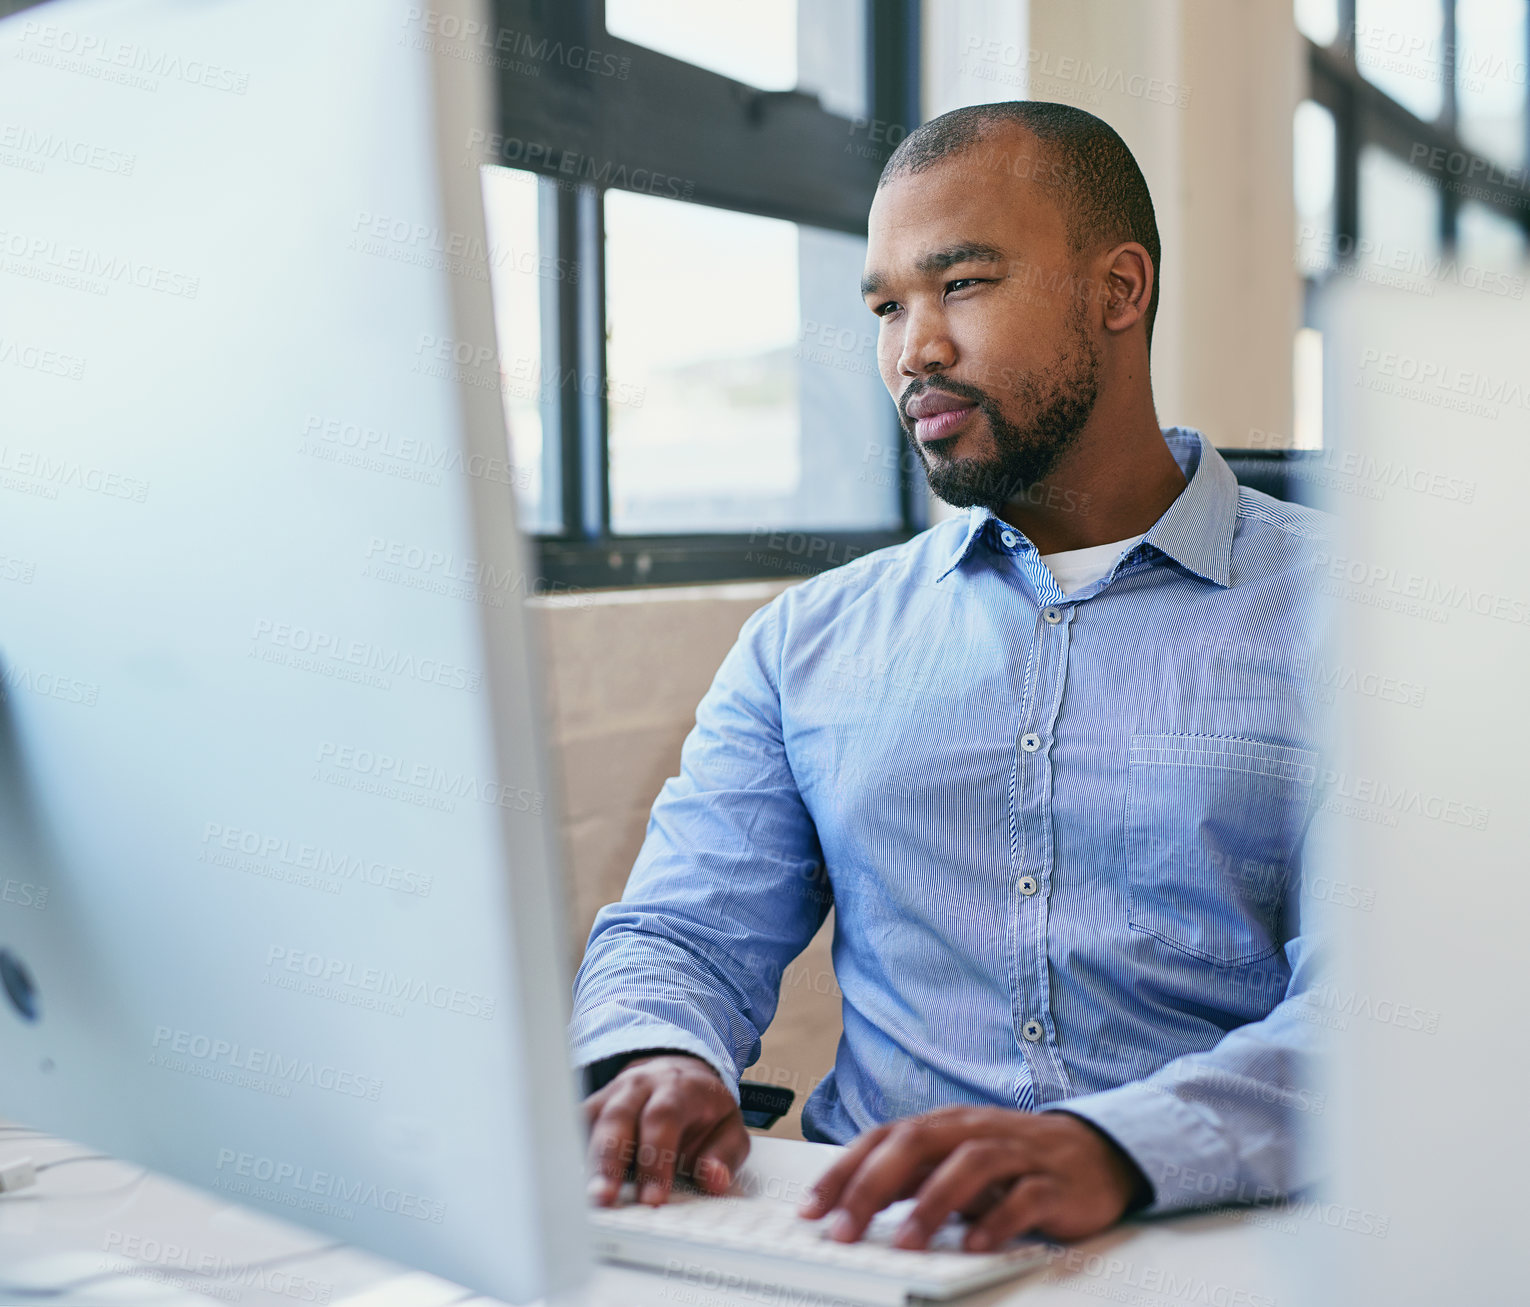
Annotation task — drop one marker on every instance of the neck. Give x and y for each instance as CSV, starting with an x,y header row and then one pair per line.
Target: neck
x,y
1116,482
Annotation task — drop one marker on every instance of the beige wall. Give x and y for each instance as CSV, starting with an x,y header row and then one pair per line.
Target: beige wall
x,y
625,671
1203,92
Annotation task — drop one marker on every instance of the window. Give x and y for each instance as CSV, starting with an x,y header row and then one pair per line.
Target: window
x,y
1491,55
739,392
511,206
1418,117
1314,154
754,43
677,225
1399,47
1412,163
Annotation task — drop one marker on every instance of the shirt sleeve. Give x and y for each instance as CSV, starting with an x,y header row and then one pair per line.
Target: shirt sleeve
x,y
1225,1125
728,888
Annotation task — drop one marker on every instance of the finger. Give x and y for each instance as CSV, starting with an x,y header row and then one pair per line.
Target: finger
x,y
661,1128
613,1142
826,1189
986,1199
1031,1201
894,1168
699,1121
595,1104
721,1153
972,1167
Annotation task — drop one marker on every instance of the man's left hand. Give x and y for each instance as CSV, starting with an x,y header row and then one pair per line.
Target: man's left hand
x,y
1014,1172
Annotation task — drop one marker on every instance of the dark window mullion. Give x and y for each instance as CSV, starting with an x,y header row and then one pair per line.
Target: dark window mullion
x,y
1524,209
1334,83
1450,201
678,559
892,81
1346,120
562,370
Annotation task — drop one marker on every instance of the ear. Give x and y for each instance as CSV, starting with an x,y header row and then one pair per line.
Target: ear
x,y
1128,285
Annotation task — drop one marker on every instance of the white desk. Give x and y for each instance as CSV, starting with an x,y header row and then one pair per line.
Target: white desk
x,y
95,1216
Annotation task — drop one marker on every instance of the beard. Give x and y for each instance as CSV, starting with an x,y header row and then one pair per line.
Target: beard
x,y
1055,403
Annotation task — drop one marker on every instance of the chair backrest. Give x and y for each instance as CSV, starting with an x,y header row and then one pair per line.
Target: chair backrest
x,y
1285,473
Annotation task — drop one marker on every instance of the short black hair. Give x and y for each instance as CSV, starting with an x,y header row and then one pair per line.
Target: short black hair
x,y
1104,196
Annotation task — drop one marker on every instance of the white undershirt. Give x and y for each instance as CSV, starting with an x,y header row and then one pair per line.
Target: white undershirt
x,y
1076,568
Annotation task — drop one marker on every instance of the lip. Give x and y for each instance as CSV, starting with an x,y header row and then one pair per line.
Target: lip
x,y
931,402
937,415
944,423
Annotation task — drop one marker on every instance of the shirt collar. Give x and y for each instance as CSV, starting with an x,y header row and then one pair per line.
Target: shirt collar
x,y
1196,530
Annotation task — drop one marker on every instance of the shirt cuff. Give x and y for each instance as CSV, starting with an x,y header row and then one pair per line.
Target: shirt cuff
x,y
646,1038
1183,1154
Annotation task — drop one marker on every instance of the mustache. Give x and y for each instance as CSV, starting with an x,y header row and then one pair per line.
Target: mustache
x,y
957,389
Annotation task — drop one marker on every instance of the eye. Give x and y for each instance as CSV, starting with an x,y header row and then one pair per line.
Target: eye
x,y
961,283
882,310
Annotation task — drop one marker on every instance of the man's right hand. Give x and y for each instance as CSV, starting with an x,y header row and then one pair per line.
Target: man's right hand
x,y
664,1115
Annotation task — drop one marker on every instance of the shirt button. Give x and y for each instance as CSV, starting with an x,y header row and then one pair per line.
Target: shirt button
x,y
1031,1030
1028,885
1052,616
1010,539
1030,743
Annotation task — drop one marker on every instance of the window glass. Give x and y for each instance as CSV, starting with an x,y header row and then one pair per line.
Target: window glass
x,y
776,45
1318,20
743,390
1399,47
1489,240
754,42
518,276
1314,158
826,29
1307,389
1490,77
1399,212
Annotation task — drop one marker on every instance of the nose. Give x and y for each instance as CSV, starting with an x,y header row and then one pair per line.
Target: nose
x,y
927,346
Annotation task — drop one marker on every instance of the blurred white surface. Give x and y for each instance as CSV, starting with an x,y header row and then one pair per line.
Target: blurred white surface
x,y
1428,408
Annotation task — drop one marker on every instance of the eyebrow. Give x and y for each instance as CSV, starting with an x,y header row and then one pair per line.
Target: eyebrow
x,y
940,260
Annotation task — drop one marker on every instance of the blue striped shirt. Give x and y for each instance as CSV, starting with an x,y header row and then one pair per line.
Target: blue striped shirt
x,y
1061,835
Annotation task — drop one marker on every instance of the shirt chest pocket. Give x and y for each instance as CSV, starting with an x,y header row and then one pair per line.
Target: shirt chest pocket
x,y
1213,826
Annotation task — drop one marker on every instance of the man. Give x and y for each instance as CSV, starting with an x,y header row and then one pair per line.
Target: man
x,y
1051,762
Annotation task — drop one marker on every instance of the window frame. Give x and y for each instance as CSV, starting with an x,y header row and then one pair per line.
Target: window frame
x,y
779,154
1364,114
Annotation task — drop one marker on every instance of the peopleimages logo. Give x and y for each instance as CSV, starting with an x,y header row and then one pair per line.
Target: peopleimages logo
x,y
112,60
33,358
439,782
243,1061
1369,793
514,45
48,147
337,974
175,1266
50,474
101,269
548,158
1445,596
297,1180
225,845
329,653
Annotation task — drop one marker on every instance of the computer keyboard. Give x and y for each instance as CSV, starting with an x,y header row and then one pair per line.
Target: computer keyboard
x,y
756,1243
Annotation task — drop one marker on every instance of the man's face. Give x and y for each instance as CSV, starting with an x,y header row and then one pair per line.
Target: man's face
x,y
984,339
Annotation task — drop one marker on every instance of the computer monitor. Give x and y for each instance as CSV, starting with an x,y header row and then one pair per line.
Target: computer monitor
x,y
1425,425
279,906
